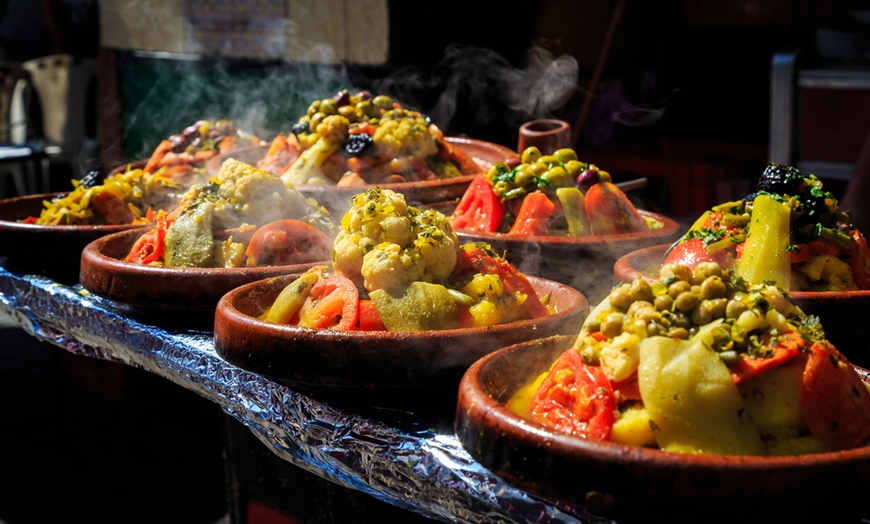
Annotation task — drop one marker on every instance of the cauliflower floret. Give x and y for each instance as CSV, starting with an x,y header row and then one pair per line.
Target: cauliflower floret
x,y
385,243
311,167
405,133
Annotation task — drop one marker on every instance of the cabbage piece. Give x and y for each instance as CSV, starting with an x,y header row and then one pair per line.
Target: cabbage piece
x,y
419,307
692,401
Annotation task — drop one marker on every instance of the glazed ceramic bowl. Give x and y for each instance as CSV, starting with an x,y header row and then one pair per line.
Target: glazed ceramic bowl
x,y
585,263
51,250
642,484
319,358
337,199
842,313
105,273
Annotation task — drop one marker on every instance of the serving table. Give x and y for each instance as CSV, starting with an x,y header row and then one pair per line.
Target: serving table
x,y
398,447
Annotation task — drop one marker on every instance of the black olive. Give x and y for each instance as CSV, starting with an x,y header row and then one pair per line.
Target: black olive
x,y
358,143
781,180
299,128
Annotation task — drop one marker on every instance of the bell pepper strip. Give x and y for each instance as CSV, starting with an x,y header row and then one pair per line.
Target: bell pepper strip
x,y
534,215
149,248
859,259
747,367
478,258
163,148
835,401
610,211
369,318
290,299
575,398
332,303
288,241
479,209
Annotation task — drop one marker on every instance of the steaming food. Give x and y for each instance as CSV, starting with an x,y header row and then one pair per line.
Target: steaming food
x,y
243,217
790,231
399,268
701,361
183,155
358,139
130,197
548,195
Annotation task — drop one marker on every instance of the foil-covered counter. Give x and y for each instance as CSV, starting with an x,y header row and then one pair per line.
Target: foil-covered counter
x,y
396,453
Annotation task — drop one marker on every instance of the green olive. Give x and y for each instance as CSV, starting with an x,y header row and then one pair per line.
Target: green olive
x,y
383,102
565,154
549,160
557,177
524,176
530,155
574,167
328,106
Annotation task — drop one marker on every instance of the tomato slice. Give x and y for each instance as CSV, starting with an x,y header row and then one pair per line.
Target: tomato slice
x,y
332,303
286,242
692,252
534,215
610,211
369,318
575,398
748,367
835,401
479,209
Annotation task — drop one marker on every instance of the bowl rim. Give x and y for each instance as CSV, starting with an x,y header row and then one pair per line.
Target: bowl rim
x,y
60,228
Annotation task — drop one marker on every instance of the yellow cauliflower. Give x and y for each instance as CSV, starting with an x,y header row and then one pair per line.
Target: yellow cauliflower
x,y
405,133
384,243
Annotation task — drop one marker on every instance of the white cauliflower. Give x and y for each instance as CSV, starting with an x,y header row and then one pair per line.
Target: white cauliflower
x,y
384,243
312,166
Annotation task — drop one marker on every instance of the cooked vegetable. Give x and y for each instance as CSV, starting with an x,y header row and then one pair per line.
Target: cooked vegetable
x,y
701,361
411,275
801,239
544,195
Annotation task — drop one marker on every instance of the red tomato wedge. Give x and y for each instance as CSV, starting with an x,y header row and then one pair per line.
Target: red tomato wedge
x,y
479,209
835,401
611,212
285,242
748,367
332,303
369,318
575,398
692,252
534,215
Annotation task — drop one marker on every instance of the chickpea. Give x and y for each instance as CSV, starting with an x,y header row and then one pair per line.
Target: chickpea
x,y
664,302
734,308
678,332
717,306
681,320
641,290
701,315
653,329
637,305
677,288
687,301
676,270
713,287
611,326
704,270
620,298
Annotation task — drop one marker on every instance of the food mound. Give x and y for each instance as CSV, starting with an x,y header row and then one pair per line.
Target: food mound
x,y
358,139
553,194
243,217
700,361
399,268
790,231
183,155
130,197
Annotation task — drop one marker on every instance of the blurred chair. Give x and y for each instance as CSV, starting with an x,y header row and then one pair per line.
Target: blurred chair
x,y
20,156
64,85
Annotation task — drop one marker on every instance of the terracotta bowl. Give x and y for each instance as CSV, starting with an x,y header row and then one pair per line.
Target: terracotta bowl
x,y
337,199
585,263
318,358
105,273
842,313
51,250
640,484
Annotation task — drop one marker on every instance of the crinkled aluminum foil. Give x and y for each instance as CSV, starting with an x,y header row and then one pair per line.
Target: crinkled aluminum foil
x,y
408,464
